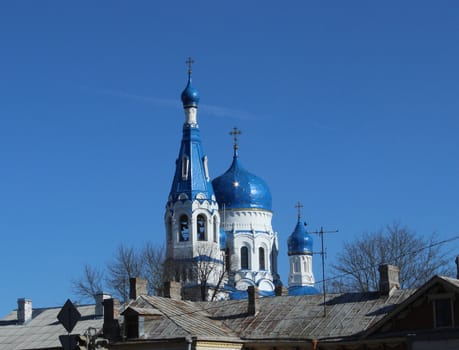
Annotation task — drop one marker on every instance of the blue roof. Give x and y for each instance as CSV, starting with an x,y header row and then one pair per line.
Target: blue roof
x,y
194,180
300,241
236,294
239,189
190,96
302,290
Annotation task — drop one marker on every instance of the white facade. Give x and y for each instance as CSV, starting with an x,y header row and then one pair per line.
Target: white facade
x,y
301,271
252,248
192,231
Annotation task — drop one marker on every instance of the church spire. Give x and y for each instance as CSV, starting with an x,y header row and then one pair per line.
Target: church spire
x,y
192,174
190,97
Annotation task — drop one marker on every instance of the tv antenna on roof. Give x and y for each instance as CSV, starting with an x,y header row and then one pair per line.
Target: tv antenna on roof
x,y
322,253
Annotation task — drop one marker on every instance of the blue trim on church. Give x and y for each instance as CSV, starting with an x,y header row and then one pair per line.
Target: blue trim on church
x,y
235,294
302,290
199,258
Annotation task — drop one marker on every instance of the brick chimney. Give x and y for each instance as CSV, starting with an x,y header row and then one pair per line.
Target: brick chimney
x,y
389,278
252,300
173,290
280,291
99,299
24,310
137,287
111,328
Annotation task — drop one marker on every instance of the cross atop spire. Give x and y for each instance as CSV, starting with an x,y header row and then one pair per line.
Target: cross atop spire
x,y
189,63
299,206
235,133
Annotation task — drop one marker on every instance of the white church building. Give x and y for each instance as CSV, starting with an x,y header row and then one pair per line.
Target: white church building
x,y
219,235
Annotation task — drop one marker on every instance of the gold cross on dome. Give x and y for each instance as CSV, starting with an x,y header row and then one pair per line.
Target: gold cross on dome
x,y
235,133
299,206
189,63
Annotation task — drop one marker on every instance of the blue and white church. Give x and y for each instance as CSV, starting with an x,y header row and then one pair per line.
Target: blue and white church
x,y
219,233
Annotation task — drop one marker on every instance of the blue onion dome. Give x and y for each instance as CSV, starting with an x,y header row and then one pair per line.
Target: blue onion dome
x,y
300,241
239,189
222,239
190,96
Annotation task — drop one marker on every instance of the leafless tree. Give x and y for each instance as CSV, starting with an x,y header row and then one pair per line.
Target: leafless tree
x,y
125,265
417,257
90,283
127,262
202,275
152,258
208,267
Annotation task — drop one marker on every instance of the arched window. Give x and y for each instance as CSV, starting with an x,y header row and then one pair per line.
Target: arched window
x,y
201,227
169,229
297,265
261,258
244,258
185,167
184,234
206,167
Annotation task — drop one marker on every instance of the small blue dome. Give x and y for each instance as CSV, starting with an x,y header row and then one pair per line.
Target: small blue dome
x,y
239,189
222,240
190,96
300,241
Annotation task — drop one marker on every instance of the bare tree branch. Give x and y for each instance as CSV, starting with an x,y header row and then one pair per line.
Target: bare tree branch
x,y
417,257
126,265
127,262
90,284
153,258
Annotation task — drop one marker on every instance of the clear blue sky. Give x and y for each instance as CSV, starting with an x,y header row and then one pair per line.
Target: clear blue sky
x,y
350,107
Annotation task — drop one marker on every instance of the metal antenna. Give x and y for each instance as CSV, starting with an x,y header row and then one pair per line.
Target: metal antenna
x,y
322,253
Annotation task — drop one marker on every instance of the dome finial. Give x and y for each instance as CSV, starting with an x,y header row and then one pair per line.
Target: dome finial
x,y
189,63
235,133
190,96
299,206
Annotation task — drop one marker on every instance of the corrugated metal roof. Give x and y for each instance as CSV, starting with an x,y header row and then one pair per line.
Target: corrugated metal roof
x,y
301,317
179,318
281,318
453,281
43,331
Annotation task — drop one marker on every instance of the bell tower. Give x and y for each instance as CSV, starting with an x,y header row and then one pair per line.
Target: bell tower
x,y
192,220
